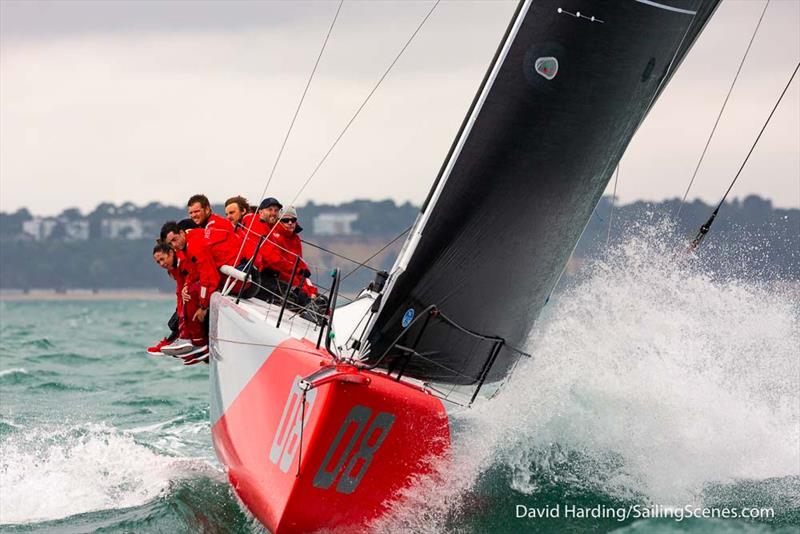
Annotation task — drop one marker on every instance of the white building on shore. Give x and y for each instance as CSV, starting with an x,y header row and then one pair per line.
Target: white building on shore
x,y
122,228
334,223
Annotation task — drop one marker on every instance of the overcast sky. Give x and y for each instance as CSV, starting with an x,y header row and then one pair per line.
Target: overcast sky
x,y
141,101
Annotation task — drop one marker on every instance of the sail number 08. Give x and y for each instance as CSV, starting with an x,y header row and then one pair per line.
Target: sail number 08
x,y
358,462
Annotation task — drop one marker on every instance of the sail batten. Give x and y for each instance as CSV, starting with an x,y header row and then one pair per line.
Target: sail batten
x,y
556,110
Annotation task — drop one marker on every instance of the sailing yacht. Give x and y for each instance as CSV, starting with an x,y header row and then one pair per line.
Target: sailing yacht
x,y
321,417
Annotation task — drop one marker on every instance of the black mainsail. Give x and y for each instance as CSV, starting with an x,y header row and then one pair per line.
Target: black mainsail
x,y
569,85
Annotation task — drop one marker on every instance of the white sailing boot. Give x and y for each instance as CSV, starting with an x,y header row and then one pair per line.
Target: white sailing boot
x,y
178,347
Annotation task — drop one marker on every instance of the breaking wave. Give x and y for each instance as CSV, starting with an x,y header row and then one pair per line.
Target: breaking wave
x,y
12,372
15,375
53,474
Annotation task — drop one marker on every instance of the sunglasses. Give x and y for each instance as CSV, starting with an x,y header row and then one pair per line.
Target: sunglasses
x,y
287,221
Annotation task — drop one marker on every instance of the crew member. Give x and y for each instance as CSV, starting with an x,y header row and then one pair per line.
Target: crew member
x,y
273,256
269,211
235,210
294,247
190,334
200,212
164,256
203,277
225,246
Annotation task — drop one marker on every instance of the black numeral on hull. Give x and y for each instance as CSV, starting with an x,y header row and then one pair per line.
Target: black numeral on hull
x,y
357,466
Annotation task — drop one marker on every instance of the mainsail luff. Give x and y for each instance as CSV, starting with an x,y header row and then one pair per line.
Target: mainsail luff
x,y
530,163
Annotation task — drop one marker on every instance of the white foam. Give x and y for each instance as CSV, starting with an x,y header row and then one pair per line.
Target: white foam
x,y
14,371
177,437
650,380
665,377
46,475
155,426
10,423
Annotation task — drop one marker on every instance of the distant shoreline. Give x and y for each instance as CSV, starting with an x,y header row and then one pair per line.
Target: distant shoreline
x,y
85,294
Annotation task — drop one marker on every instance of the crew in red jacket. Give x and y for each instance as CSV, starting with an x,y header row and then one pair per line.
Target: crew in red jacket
x,y
294,247
175,264
199,209
237,211
202,279
224,244
273,257
165,257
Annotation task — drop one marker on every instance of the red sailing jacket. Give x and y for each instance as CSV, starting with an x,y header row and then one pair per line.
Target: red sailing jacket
x,y
283,260
188,270
208,249
294,247
186,276
272,253
217,221
248,234
201,264
223,243
179,273
176,273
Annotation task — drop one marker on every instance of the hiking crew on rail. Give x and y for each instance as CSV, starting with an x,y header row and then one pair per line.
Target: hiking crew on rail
x,y
193,250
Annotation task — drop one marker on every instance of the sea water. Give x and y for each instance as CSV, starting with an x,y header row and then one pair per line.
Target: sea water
x,y
654,386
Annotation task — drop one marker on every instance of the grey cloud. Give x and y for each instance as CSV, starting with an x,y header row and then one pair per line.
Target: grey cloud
x,y
144,97
49,19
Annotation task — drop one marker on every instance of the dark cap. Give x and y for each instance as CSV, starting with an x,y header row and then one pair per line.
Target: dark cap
x,y
187,224
267,202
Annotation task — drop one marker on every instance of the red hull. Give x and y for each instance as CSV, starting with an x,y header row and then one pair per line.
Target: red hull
x,y
365,437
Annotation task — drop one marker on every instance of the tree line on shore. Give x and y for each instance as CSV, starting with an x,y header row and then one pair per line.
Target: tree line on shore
x,y
761,240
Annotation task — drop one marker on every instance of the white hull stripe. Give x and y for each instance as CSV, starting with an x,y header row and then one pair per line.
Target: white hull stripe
x,y
239,347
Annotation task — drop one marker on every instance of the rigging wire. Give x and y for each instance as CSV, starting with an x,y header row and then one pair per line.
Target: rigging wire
x,y
613,200
364,103
303,97
362,263
353,118
722,109
289,131
705,227
331,252
387,245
